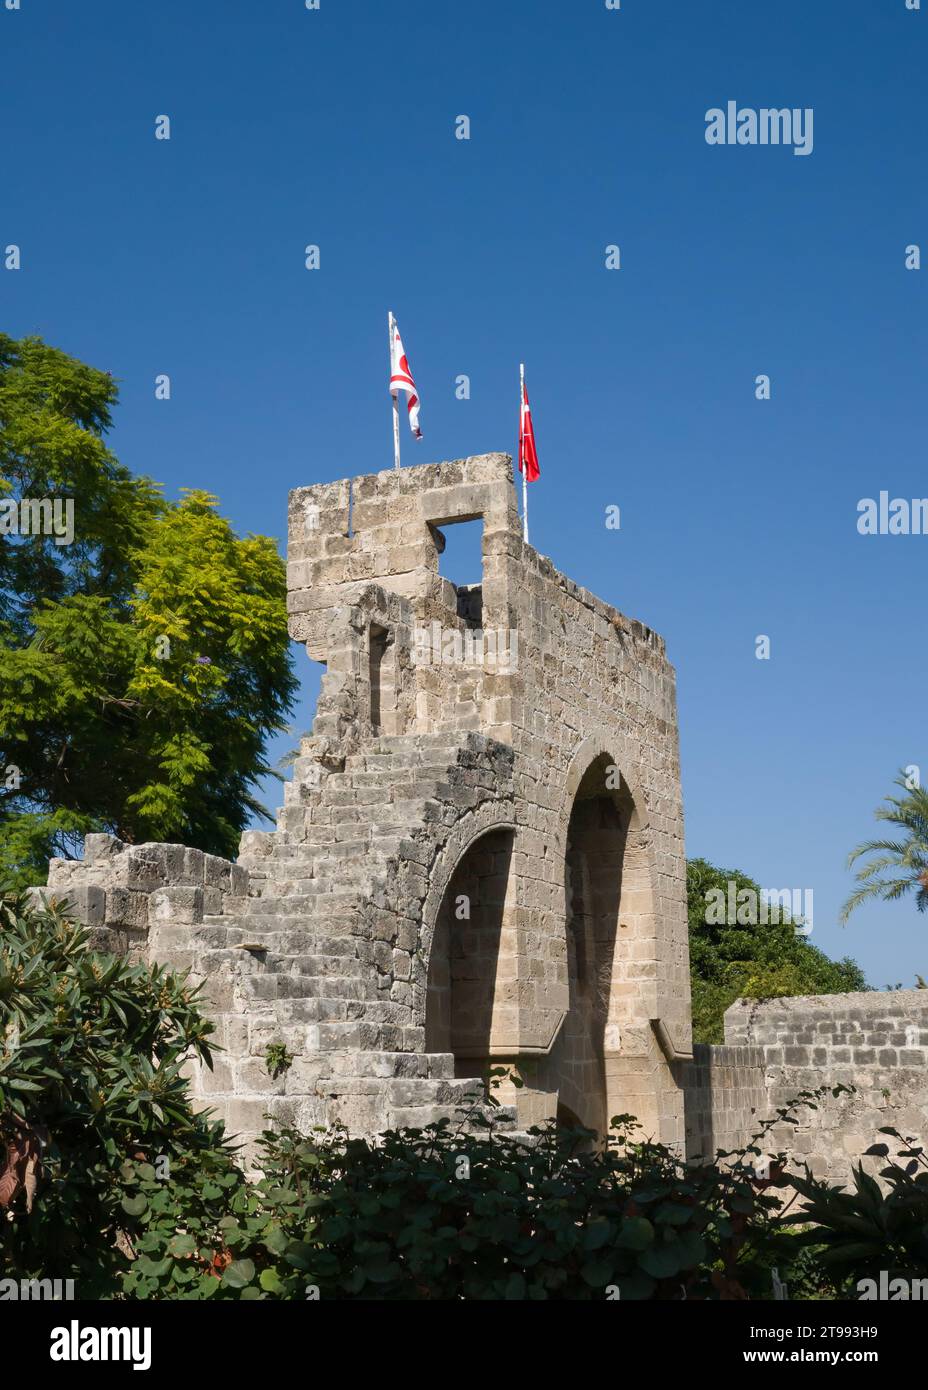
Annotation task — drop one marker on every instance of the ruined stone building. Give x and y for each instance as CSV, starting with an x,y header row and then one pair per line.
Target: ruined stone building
x,y
479,863
480,858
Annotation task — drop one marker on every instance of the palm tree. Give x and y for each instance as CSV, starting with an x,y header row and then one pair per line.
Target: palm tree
x,y
897,866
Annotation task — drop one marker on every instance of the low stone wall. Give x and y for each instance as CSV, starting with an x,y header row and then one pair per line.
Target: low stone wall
x,y
875,1043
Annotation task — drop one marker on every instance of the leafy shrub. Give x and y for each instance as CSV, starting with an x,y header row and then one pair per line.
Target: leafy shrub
x,y
109,1177
91,1050
869,1231
447,1213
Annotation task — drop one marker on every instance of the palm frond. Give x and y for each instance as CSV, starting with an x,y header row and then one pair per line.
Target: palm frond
x,y
888,890
905,859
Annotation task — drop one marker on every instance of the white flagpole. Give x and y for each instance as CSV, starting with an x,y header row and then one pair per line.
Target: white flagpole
x,y
521,460
391,321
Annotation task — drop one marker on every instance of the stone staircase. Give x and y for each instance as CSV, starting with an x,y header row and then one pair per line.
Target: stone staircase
x,y
322,954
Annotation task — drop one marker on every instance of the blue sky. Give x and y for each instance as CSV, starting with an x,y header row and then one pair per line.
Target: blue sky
x,y
336,127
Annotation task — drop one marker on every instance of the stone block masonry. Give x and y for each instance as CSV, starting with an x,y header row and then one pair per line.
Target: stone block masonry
x,y
725,1098
478,864
875,1042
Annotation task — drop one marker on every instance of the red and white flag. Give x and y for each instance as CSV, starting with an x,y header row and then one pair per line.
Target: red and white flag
x,y
401,379
528,455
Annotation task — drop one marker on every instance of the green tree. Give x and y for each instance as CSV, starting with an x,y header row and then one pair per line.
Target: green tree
x,y
143,666
749,960
900,866
92,1092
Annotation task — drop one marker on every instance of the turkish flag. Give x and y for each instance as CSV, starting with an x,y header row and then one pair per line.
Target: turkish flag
x,y
528,455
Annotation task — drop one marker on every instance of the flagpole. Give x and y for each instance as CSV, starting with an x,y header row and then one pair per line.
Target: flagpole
x,y
391,323
522,466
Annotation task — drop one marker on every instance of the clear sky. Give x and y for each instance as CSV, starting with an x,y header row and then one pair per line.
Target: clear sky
x,y
336,127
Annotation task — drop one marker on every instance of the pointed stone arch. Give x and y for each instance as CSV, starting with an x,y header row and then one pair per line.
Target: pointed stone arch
x,y
605,1060
460,993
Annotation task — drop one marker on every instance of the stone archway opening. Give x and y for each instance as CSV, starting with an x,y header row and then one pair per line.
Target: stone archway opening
x,y
466,996
608,921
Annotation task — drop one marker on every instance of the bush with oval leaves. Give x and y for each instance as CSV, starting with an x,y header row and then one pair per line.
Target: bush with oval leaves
x,y
449,1213
91,1057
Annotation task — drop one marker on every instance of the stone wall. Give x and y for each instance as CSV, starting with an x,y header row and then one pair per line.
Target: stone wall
x,y
725,1098
125,892
543,786
875,1042
585,699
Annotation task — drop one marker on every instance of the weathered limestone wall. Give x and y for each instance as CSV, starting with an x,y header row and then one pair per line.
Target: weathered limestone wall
x,y
125,892
876,1042
594,721
726,1098
479,861
586,700
341,585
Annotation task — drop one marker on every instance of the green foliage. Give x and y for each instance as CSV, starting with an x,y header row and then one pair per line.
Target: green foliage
x,y
54,412
109,1177
896,867
278,1059
440,1213
782,1260
91,1051
452,1213
174,1230
144,666
753,961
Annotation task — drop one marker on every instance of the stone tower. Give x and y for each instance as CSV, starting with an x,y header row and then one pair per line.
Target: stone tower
x,y
480,859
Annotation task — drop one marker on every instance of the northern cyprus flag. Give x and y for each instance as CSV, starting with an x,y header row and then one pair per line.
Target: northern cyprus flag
x,y
401,379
